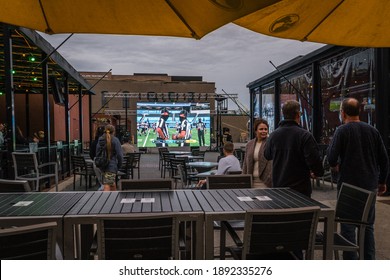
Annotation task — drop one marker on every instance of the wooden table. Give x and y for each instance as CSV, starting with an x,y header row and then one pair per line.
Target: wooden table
x,y
19,209
94,205
225,205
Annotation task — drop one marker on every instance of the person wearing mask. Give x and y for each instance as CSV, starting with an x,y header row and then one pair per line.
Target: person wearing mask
x,y
294,152
162,129
254,162
92,153
114,153
359,156
184,130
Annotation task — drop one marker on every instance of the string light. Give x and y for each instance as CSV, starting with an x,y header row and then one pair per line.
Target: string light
x,y
31,58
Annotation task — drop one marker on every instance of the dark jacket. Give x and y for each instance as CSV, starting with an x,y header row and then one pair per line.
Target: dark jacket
x,y
116,153
295,154
359,149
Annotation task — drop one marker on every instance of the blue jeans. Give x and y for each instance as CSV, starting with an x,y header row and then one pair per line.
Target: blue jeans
x,y
349,232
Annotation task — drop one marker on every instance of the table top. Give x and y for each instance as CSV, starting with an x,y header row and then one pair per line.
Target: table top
x,y
37,204
240,200
180,152
202,164
205,174
94,203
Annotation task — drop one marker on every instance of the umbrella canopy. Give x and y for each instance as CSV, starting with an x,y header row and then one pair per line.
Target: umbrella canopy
x,y
364,23
181,18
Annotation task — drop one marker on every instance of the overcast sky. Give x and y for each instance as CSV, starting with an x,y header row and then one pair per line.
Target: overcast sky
x,y
231,56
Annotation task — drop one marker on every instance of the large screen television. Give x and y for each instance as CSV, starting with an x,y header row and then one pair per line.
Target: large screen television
x,y
148,118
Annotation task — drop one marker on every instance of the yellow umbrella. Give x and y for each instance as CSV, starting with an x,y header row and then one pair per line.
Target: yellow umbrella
x,y
340,22
181,18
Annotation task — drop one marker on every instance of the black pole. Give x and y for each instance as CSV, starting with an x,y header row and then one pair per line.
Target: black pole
x,y
291,84
127,105
81,124
9,90
46,107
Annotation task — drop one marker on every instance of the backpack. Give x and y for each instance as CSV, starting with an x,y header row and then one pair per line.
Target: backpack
x,y
101,158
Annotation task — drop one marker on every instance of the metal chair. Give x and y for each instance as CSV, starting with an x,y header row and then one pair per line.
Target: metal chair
x,y
243,181
161,150
83,168
33,242
328,174
278,233
134,161
211,156
138,237
7,186
147,184
187,179
353,206
26,168
238,181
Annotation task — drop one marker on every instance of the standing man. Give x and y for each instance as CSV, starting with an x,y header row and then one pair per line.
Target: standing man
x,y
200,126
357,152
184,131
162,129
294,152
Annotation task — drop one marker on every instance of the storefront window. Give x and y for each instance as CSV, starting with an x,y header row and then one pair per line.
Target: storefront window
x,y
298,86
268,104
347,75
256,102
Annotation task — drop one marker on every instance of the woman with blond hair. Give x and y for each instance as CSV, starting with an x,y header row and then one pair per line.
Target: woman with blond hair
x,y
114,154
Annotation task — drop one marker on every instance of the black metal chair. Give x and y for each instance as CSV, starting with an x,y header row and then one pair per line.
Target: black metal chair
x,y
353,206
26,168
7,186
138,237
166,164
161,150
278,233
134,160
83,168
238,181
32,242
243,181
188,180
147,184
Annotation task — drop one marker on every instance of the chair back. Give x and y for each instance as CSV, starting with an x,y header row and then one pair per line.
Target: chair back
x,y
242,181
147,184
174,162
25,163
7,186
274,233
138,237
135,159
211,156
78,162
234,172
354,203
33,242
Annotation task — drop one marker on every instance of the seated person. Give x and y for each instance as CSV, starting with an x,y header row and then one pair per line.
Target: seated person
x,y
228,163
127,147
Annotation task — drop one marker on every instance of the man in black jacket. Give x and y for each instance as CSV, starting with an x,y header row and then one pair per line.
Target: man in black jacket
x,y
358,154
294,152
